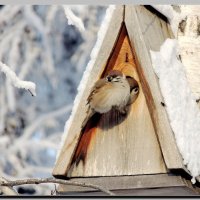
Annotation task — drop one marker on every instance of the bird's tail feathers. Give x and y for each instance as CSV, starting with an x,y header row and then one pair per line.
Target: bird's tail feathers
x,y
87,133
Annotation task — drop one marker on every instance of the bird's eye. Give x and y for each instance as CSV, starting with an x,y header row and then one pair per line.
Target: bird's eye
x,y
136,90
109,78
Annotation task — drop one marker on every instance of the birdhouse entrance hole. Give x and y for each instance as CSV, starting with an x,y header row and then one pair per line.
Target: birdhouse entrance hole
x,y
114,145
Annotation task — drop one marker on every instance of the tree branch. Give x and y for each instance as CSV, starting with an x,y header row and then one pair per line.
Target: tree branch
x,y
52,180
7,190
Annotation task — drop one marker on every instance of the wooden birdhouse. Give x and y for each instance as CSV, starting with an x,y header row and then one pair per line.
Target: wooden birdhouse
x,y
134,154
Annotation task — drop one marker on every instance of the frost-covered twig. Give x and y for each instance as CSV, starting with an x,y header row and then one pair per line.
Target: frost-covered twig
x,y
10,96
31,57
34,125
73,19
8,12
53,180
38,122
7,190
37,22
13,59
3,109
50,16
27,85
36,41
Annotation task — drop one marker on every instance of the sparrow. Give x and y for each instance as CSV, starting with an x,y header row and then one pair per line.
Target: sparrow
x,y
115,91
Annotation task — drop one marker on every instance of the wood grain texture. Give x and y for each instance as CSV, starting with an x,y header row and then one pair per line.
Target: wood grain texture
x,y
128,183
147,33
66,153
154,29
123,145
142,142
150,192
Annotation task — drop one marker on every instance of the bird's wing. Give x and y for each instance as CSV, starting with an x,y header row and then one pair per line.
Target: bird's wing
x,y
95,88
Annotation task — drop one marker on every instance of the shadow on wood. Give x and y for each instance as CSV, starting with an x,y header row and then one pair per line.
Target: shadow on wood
x,y
113,144
137,151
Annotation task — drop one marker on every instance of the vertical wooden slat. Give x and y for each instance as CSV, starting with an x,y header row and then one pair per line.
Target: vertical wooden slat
x,y
137,20
108,42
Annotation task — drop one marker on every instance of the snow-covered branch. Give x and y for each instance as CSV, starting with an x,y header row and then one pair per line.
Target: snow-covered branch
x,y
27,85
45,117
37,42
34,19
73,19
7,190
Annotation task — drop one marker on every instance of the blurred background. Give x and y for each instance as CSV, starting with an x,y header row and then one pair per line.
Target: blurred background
x,y
51,46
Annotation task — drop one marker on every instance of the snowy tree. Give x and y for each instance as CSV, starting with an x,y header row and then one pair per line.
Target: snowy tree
x,y
50,46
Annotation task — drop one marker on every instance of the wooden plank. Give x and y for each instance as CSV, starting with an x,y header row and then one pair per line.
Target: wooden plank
x,y
162,192
126,182
154,29
123,146
66,153
150,84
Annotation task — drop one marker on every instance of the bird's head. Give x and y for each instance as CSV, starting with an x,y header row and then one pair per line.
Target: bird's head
x,y
134,86
114,76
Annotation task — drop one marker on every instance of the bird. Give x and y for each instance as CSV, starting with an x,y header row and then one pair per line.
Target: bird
x,y
115,91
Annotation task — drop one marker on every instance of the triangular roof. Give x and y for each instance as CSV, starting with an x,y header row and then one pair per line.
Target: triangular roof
x,y
126,33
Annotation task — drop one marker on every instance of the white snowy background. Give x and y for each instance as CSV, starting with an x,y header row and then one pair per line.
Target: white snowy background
x,y
50,46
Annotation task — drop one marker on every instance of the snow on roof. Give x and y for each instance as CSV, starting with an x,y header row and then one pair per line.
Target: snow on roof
x,y
181,106
173,17
93,55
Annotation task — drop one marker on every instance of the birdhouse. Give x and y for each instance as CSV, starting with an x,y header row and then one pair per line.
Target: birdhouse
x,y
135,154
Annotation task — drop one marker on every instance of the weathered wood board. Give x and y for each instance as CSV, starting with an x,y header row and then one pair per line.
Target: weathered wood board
x,y
160,192
147,33
122,146
142,142
159,184
71,141
154,27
